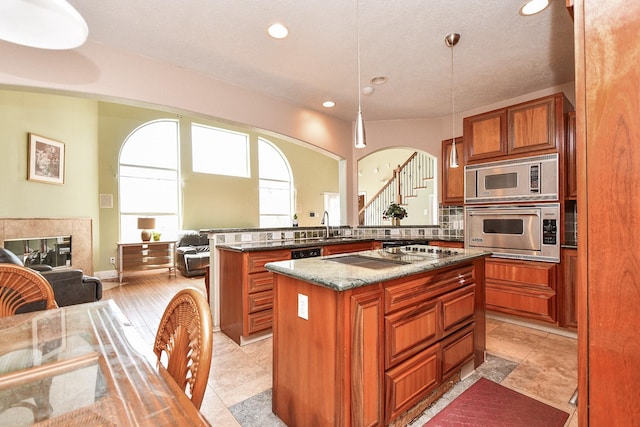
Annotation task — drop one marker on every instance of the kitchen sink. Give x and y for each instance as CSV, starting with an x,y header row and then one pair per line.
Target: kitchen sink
x,y
367,262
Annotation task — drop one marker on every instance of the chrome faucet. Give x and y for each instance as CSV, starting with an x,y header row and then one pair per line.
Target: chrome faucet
x,y
325,222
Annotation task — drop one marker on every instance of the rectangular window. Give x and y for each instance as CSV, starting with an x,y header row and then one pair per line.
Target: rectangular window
x,y
219,151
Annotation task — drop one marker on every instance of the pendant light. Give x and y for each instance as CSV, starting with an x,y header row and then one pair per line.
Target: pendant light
x,y
359,137
451,40
44,24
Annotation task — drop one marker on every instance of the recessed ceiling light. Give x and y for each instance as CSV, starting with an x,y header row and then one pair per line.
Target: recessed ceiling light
x,y
533,6
328,104
378,80
278,31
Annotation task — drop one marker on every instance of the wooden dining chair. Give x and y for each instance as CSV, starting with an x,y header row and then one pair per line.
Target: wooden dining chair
x,y
185,337
20,286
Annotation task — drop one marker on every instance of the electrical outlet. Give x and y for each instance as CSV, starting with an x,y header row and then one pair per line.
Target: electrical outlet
x,y
303,306
112,260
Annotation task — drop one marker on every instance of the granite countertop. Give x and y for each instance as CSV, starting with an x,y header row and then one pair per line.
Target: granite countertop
x,y
310,243
327,272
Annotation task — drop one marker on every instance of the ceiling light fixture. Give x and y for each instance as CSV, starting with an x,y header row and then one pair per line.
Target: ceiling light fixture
x,y
328,104
278,31
379,80
44,24
532,7
451,40
360,138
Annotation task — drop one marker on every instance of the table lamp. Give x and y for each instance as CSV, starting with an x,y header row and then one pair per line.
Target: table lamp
x,y
146,225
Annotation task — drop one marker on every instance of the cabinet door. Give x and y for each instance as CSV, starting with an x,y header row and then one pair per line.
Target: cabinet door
x,y
532,126
485,135
458,308
453,178
568,297
411,330
572,183
457,350
411,381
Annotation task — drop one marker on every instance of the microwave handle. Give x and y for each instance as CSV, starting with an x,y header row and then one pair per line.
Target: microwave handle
x,y
531,212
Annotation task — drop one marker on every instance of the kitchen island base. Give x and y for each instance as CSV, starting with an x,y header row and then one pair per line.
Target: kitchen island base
x,y
376,354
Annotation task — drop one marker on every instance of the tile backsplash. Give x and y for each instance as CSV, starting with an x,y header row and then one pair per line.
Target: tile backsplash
x,y
451,220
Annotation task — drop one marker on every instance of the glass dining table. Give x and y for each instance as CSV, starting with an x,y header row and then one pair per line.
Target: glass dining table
x,y
78,365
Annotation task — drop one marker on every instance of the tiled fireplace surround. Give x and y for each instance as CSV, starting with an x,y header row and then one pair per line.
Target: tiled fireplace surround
x,y
80,230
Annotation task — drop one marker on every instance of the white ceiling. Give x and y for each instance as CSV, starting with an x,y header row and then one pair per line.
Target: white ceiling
x,y
501,54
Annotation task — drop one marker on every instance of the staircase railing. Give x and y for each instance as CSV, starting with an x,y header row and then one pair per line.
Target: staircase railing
x,y
407,179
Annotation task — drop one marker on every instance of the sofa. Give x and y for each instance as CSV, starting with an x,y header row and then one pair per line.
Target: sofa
x,y
70,286
192,254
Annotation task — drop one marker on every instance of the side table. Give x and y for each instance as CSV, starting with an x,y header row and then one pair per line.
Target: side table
x,y
142,256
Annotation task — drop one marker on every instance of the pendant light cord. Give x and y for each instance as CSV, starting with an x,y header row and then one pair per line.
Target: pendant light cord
x,y
358,47
453,105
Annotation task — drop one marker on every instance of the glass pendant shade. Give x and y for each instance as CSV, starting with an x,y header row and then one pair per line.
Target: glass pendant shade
x,y
44,24
453,156
360,137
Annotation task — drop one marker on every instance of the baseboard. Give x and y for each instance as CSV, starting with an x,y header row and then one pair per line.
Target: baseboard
x,y
106,275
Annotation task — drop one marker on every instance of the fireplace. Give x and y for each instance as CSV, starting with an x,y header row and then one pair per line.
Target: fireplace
x,y
53,251
70,238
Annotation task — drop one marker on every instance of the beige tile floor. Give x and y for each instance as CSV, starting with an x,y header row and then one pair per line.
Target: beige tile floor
x,y
546,360
547,369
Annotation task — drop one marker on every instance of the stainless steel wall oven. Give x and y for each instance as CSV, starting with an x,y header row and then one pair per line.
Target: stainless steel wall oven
x,y
527,232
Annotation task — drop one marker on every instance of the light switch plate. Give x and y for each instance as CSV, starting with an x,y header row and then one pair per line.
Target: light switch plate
x,y
303,306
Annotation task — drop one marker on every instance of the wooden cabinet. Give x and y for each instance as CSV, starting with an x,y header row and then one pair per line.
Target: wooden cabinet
x,y
144,256
246,293
387,346
453,178
485,135
349,247
567,316
447,243
521,288
571,191
530,128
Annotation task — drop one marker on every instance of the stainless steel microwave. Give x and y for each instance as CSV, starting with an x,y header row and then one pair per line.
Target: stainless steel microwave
x,y
515,231
518,180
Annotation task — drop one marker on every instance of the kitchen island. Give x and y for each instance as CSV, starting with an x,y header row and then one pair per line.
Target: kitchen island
x,y
373,338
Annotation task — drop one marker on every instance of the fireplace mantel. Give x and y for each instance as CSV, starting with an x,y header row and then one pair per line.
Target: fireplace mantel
x,y
79,228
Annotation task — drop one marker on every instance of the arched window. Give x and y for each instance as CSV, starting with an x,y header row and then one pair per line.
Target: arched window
x,y
275,185
148,178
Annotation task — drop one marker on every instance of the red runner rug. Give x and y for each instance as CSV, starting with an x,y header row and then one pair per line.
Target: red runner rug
x,y
487,404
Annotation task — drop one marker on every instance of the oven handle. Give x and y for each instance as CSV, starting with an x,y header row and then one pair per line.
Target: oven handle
x,y
506,212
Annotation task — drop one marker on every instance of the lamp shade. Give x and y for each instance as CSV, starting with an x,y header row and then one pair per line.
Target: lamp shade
x,y
45,24
146,223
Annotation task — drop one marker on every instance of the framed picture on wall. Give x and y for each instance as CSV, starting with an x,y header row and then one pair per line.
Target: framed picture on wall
x,y
46,160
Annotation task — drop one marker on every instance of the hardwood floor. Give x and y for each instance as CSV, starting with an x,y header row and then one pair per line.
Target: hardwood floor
x,y
545,362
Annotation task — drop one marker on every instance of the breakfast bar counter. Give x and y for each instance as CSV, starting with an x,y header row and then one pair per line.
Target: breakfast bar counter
x,y
374,337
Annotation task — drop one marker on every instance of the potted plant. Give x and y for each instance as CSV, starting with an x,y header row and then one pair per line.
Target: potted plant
x,y
395,212
295,220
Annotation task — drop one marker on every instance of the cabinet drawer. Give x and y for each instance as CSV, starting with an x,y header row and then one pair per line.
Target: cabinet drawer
x,y
458,307
411,381
521,273
457,350
260,301
519,302
258,282
409,331
257,260
259,321
408,293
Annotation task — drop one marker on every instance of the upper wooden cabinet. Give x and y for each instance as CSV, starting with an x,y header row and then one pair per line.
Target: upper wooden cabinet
x,y
530,128
453,178
485,135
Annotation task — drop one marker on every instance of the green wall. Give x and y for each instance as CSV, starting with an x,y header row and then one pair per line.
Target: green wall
x,y
73,121
209,201
93,132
